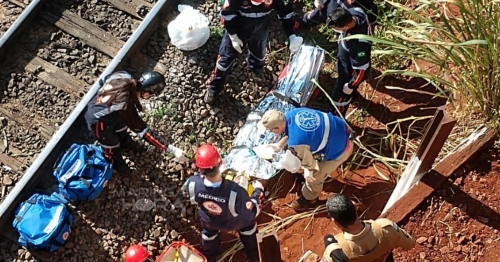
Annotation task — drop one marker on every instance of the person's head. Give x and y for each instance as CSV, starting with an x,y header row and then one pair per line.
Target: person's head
x,y
274,121
150,83
208,161
341,210
341,19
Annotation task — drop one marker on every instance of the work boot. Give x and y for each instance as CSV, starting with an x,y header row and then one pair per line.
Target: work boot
x,y
210,97
302,204
119,164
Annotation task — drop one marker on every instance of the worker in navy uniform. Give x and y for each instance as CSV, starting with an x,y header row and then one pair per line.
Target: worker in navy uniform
x,y
247,23
354,55
320,14
223,205
311,132
361,241
115,108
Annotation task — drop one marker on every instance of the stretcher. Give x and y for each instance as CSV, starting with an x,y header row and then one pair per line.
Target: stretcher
x,y
181,252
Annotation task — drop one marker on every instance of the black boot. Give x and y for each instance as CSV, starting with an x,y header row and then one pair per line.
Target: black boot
x,y
119,164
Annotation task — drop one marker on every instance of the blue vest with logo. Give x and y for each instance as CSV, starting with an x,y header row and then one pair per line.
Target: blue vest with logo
x,y
323,133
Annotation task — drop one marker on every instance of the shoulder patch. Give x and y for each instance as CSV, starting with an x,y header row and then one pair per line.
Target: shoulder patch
x,y
249,205
398,229
361,54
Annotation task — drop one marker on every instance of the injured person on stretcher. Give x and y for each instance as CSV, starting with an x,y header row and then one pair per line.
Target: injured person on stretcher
x,y
309,132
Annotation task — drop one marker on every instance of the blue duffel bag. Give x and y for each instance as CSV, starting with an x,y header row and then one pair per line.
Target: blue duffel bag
x,y
43,222
82,172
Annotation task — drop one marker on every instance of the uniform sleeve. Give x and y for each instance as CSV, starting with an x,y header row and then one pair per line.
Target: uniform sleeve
x,y
284,9
247,207
228,16
335,255
303,152
152,138
360,54
397,235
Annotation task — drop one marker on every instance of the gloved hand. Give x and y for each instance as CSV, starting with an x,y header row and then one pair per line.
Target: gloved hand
x,y
308,175
257,184
347,90
178,153
295,43
237,43
319,4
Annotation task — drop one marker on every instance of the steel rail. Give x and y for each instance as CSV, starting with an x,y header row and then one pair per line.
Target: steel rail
x,y
45,160
23,21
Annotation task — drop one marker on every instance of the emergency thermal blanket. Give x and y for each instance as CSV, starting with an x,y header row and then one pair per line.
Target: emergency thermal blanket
x,y
293,89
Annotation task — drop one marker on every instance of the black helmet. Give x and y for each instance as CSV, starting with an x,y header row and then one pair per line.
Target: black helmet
x,y
151,82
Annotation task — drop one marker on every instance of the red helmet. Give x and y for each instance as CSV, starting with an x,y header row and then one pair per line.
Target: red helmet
x,y
136,253
207,157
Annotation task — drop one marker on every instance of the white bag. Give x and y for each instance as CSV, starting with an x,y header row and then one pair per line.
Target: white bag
x,y
189,30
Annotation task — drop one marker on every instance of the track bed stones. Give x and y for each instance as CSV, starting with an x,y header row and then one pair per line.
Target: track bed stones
x,y
8,14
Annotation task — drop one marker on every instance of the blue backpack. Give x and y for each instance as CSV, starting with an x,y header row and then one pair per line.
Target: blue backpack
x,y
43,222
82,172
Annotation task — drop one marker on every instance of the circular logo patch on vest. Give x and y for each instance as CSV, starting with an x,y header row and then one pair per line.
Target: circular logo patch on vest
x,y
212,208
65,236
307,120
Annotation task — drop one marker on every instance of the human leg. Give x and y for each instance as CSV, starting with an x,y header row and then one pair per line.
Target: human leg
x,y
248,236
341,99
257,47
210,243
110,143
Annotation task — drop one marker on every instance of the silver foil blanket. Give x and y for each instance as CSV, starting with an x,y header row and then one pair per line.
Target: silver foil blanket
x,y
292,90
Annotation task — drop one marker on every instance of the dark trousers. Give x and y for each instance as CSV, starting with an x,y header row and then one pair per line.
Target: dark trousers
x,y
112,139
345,74
255,36
211,240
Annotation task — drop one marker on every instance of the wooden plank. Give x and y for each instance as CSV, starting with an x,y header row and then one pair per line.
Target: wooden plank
x,y
22,120
11,162
130,7
477,142
46,71
95,37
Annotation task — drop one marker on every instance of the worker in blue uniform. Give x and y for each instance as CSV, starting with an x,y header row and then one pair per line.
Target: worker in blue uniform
x,y
354,55
311,132
223,205
115,109
247,23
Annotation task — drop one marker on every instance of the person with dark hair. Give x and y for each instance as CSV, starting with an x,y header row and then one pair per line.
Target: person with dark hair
x,y
361,241
114,109
223,205
247,23
353,55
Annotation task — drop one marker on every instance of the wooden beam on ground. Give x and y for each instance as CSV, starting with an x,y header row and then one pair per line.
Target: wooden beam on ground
x,y
11,162
46,71
94,36
130,7
45,132
480,140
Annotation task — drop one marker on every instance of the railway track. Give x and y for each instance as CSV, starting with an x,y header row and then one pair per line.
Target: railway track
x,y
53,54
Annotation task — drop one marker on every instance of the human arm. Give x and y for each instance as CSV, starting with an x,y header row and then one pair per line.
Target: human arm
x,y
228,15
333,251
360,55
154,139
397,236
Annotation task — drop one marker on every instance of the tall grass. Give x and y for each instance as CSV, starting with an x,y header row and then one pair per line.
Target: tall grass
x,y
457,41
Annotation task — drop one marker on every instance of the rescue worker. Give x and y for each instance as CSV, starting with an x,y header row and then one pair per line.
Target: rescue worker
x,y
361,241
247,23
320,14
354,55
311,132
223,205
115,108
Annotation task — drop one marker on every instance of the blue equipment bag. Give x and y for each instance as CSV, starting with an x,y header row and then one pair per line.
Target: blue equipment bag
x,y
82,172
43,222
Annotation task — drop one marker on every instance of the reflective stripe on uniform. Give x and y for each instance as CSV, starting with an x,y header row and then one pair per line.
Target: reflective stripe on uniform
x,y
232,202
121,129
191,192
343,103
254,15
228,17
206,238
109,110
287,16
257,206
249,232
326,134
363,67
110,147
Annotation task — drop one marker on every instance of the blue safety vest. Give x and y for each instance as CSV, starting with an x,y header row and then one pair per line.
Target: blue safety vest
x,y
323,133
